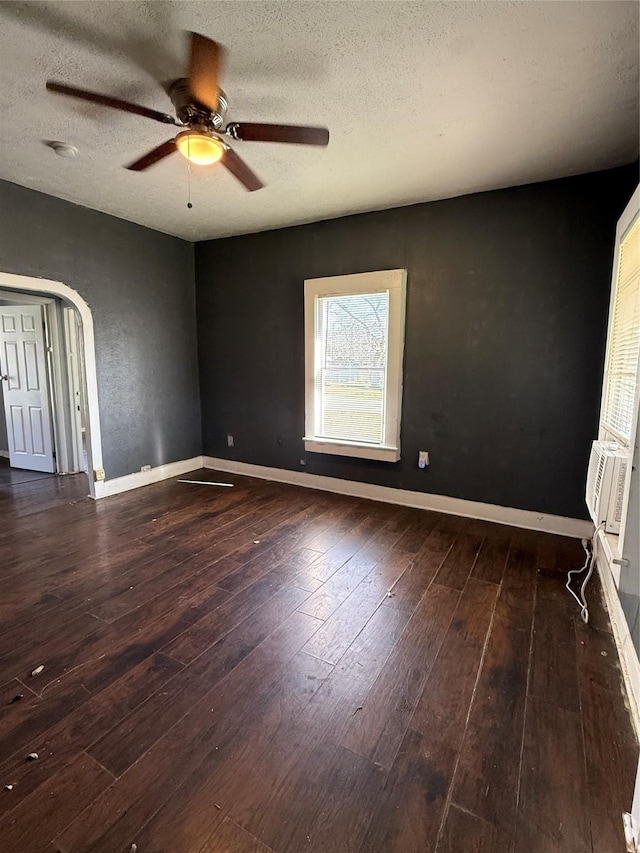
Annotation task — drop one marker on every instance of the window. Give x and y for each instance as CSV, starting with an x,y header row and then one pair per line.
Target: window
x,y
623,350
621,390
354,341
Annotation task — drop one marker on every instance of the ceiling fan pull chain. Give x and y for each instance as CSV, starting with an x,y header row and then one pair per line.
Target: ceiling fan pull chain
x,y
189,205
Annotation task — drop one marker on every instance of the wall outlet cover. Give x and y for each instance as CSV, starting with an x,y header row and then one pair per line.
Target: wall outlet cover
x,y
145,468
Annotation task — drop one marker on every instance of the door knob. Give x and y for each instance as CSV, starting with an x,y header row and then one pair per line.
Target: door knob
x,y
5,377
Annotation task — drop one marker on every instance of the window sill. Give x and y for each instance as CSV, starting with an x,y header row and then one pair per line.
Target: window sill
x,y
353,449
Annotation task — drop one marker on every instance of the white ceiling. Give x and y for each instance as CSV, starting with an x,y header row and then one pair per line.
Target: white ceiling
x,y
424,101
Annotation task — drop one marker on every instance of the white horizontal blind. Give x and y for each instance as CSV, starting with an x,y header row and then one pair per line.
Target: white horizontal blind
x,y
351,366
624,340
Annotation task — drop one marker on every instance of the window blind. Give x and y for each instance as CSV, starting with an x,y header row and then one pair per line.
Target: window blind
x,y
624,340
351,366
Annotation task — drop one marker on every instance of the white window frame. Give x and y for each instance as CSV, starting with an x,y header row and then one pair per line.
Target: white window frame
x,y
626,221
395,283
605,432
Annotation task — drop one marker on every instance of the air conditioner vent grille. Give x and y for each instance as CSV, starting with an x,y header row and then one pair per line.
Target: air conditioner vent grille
x,y
606,479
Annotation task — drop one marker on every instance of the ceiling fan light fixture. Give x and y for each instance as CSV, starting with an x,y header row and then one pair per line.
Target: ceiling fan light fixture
x,y
201,149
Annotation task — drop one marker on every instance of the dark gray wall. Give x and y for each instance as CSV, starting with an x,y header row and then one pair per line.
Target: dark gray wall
x,y
506,322
139,285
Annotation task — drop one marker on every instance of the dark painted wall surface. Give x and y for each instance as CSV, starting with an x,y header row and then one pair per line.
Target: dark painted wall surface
x,y
506,322
139,285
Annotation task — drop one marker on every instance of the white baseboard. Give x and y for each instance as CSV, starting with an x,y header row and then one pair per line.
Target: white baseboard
x,y
4,453
573,527
145,478
626,650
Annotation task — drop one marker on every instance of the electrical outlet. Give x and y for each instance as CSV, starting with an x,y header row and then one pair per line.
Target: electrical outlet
x,y
423,458
229,440
98,474
145,468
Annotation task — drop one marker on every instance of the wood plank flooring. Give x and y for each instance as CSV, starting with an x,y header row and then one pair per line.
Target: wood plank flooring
x,y
269,669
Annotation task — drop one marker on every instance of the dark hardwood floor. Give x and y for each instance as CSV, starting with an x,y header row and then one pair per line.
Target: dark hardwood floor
x,y
269,668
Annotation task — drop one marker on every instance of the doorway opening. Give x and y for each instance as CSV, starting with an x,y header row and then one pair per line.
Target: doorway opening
x,y
49,418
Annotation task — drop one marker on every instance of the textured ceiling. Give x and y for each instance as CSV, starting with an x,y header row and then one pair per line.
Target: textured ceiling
x,y
424,101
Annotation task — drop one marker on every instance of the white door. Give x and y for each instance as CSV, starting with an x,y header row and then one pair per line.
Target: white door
x,y
26,398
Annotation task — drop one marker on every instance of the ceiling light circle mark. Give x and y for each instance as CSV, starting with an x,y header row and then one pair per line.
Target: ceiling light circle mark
x,y
62,149
200,148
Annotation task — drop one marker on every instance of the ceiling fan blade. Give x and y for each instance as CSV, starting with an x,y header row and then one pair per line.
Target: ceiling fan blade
x,y
154,156
107,101
241,171
205,64
293,133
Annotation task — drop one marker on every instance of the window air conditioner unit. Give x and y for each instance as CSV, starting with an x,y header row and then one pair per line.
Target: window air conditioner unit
x,y
605,484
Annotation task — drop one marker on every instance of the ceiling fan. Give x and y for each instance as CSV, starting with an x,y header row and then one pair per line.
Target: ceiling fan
x,y
201,106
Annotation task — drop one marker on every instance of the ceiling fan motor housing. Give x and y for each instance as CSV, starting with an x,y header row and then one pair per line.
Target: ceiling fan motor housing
x,y
189,111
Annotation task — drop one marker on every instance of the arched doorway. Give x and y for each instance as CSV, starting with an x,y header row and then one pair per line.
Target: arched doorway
x,y
47,287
